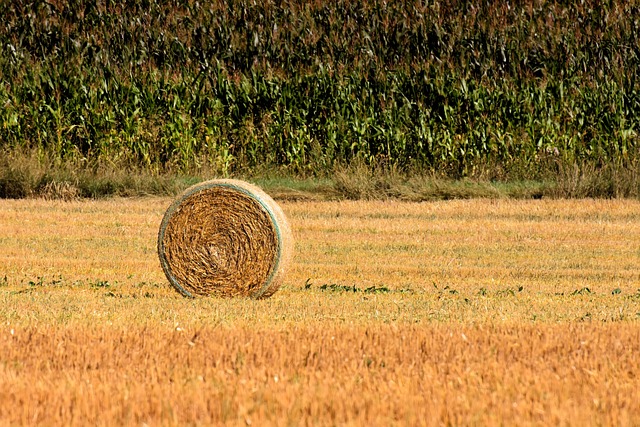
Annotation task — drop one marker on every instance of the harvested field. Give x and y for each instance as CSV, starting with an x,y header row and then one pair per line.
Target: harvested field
x,y
481,312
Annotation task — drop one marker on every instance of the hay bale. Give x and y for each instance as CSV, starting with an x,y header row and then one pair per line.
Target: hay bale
x,y
225,238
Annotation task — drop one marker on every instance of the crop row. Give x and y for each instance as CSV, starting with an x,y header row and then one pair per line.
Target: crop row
x,y
464,88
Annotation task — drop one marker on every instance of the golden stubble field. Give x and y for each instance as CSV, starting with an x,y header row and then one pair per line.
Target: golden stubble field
x,y
480,312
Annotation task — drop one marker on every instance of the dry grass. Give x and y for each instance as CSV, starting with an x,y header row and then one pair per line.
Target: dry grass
x,y
322,375
478,312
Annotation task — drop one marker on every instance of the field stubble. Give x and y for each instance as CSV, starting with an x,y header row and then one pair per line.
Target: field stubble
x,y
459,312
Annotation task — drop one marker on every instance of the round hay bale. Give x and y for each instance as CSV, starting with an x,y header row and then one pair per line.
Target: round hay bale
x,y
225,238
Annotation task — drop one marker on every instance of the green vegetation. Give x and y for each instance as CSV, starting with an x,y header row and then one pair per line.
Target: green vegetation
x,y
148,93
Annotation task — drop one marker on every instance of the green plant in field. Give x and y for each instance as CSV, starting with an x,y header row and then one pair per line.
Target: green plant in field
x,y
334,287
376,290
481,90
510,291
100,284
42,281
446,290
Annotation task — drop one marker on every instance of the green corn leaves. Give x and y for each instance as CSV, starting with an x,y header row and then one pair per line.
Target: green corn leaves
x,y
484,88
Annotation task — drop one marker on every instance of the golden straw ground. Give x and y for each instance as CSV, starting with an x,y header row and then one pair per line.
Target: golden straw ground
x,y
225,238
484,312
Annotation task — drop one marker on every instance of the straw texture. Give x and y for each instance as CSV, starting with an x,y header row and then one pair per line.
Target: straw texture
x,y
225,238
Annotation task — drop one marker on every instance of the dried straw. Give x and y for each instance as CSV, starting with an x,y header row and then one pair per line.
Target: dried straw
x,y
225,238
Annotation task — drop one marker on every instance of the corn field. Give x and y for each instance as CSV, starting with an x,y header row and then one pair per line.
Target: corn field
x,y
465,88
